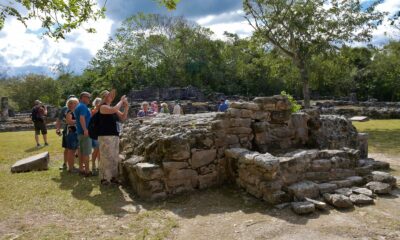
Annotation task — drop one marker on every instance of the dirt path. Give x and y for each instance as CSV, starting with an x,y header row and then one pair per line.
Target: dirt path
x,y
232,214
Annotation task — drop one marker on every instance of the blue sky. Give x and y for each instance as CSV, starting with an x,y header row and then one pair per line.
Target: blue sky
x,y
24,50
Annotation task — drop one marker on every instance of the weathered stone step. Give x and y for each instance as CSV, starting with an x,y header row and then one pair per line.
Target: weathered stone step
x,y
33,163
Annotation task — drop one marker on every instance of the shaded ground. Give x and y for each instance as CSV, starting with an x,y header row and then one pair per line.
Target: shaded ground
x,y
56,205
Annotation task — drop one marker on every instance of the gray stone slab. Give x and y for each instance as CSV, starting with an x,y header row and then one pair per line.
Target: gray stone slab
x,y
37,162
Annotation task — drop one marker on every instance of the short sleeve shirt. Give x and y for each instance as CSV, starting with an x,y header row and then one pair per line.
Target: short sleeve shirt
x,y
81,110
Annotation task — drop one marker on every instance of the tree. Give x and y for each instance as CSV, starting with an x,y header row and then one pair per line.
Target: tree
x,y
59,17
303,28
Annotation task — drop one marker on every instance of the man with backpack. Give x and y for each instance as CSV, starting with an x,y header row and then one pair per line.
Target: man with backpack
x,y
39,112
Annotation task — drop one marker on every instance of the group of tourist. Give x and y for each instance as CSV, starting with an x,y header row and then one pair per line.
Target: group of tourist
x,y
153,109
150,110
73,123
76,141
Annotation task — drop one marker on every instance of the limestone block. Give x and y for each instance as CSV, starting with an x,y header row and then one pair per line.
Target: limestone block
x,y
365,170
344,191
342,183
239,130
338,200
207,169
240,122
304,189
318,176
33,163
356,180
185,178
171,166
379,187
280,116
340,162
246,113
245,105
342,173
361,199
176,148
318,204
253,190
231,139
384,177
363,144
234,113
208,180
276,197
270,186
364,191
262,115
202,157
303,207
321,165
149,171
327,187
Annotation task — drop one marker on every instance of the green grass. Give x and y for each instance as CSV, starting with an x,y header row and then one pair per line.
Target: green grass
x,y
384,135
56,205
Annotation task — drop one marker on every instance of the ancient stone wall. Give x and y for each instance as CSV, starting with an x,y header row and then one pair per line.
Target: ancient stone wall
x,y
170,154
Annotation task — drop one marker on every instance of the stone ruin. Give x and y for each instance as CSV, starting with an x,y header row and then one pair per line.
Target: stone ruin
x,y
279,157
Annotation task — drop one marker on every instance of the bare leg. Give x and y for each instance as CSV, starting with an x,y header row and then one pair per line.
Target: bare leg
x,y
81,160
65,155
37,139
45,138
95,154
70,159
85,161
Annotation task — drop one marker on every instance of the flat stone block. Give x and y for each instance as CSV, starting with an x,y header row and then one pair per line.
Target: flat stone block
x,y
149,171
304,189
34,163
202,157
303,207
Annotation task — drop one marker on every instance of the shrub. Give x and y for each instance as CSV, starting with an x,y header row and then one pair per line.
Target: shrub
x,y
295,107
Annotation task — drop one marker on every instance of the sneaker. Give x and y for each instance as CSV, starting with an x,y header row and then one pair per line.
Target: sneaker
x,y
38,145
95,172
63,167
46,144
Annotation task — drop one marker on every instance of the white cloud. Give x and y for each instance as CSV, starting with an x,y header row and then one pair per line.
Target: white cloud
x,y
20,46
232,22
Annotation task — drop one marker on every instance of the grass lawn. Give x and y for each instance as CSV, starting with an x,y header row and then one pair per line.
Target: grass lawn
x,y
55,205
384,135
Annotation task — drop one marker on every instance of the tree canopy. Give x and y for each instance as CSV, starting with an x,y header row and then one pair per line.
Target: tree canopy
x,y
301,29
59,17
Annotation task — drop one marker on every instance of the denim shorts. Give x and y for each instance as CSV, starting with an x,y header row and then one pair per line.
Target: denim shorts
x,y
95,143
72,141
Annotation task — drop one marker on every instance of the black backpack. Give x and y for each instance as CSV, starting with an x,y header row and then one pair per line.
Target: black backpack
x,y
35,114
94,125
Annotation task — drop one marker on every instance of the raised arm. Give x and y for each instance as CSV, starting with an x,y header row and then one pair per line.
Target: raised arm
x,y
123,115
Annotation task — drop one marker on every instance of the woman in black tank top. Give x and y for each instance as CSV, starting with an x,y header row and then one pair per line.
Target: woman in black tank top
x,y
109,136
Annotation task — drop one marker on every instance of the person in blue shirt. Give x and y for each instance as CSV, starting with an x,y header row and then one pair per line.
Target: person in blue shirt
x,y
222,107
82,115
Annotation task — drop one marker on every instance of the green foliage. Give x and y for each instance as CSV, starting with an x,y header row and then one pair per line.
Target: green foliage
x,y
23,92
295,107
60,17
301,29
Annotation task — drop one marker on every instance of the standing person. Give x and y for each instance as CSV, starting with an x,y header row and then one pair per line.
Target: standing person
x,y
72,136
154,107
39,112
95,143
164,108
109,136
222,107
145,111
82,115
61,124
177,109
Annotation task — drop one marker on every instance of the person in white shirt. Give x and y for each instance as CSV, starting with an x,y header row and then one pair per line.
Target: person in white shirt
x,y
177,109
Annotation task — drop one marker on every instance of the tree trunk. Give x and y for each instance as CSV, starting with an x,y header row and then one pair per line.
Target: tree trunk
x,y
306,86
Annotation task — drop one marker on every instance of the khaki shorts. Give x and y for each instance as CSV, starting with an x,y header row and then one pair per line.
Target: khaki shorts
x,y
85,145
